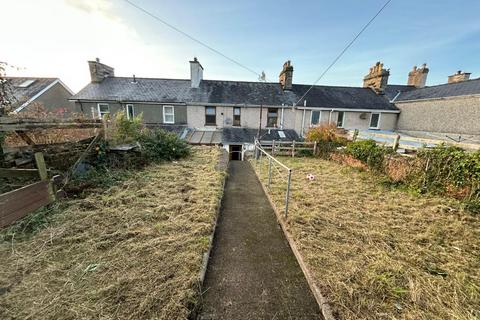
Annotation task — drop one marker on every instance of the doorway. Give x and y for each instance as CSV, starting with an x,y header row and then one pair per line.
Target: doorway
x,y
235,152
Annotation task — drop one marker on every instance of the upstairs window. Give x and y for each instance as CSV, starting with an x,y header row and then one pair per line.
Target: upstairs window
x,y
315,117
272,117
340,119
103,110
375,121
210,116
236,116
130,111
168,114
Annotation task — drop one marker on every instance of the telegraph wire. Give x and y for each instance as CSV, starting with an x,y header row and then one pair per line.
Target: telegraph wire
x,y
344,50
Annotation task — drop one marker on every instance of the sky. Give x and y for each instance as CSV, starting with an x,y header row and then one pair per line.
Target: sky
x,y
56,38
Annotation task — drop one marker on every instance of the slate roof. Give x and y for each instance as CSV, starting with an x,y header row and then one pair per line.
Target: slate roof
x,y
392,90
230,92
463,88
22,95
245,135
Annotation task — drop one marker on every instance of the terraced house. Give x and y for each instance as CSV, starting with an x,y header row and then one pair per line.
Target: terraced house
x,y
232,112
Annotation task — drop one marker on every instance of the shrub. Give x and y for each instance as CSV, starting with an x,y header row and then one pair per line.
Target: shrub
x,y
327,137
124,130
158,145
450,170
368,152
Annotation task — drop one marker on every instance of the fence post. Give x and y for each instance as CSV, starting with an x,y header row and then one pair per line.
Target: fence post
x,y
273,147
269,171
315,148
293,148
355,135
43,173
396,142
287,196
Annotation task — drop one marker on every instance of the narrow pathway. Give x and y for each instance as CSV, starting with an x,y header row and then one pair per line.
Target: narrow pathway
x,y
253,273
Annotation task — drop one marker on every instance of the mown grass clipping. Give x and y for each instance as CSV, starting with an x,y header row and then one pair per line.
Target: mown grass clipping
x,y
378,253
132,251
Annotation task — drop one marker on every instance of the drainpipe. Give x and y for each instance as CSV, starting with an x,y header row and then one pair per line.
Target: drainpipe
x,y
281,121
330,117
303,122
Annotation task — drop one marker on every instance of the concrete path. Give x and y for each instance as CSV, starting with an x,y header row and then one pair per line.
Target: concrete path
x,y
253,273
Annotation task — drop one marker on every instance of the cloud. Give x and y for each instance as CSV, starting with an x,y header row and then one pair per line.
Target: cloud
x,y
103,7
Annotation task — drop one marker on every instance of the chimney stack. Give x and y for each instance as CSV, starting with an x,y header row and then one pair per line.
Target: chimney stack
x,y
286,76
196,73
99,71
418,76
459,77
377,78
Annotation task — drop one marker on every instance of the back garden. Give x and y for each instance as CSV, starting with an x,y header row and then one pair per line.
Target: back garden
x,y
386,236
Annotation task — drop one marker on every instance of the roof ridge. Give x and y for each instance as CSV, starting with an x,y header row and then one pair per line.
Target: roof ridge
x,y
448,84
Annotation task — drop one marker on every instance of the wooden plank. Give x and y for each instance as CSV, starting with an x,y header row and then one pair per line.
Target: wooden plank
x,y
21,173
18,203
25,124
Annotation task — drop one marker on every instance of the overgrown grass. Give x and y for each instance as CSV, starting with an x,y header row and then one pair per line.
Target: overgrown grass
x,y
380,253
131,249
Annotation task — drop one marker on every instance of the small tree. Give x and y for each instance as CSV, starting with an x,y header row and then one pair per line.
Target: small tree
x,y
6,91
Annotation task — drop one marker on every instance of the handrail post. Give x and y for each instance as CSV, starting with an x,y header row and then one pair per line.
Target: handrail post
x,y
396,142
269,171
315,149
355,135
287,196
293,148
273,147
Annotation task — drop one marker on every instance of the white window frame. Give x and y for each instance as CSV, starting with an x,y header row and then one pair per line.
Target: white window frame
x,y
343,119
172,114
133,111
319,118
100,113
378,123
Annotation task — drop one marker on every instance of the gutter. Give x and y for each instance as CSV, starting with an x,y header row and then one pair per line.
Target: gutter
x,y
349,110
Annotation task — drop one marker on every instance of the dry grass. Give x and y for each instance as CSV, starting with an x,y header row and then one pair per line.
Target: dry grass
x,y
133,251
382,254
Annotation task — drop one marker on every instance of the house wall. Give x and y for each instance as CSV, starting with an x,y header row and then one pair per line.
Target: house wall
x,y
459,115
151,113
55,100
351,120
249,118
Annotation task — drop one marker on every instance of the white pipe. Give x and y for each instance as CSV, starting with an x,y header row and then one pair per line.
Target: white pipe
x,y
303,122
281,122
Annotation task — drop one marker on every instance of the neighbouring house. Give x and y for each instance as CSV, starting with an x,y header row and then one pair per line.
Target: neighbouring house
x,y
49,93
446,111
201,106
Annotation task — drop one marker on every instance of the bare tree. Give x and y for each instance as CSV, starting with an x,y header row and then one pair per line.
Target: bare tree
x,y
6,91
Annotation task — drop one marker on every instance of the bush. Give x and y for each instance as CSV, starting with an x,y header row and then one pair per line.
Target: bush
x,y
368,152
124,130
450,170
158,145
327,138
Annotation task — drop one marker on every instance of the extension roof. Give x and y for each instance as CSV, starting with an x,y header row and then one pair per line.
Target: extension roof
x,y
24,94
464,88
123,89
245,135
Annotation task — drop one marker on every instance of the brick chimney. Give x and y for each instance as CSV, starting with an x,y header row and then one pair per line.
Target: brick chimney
x,y
418,76
377,78
99,71
196,73
286,76
459,77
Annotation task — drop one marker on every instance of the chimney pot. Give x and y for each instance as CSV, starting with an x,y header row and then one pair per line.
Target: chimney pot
x,y
418,76
286,76
196,73
459,77
99,71
377,78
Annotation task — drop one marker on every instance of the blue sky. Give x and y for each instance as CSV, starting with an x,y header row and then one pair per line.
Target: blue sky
x,y
260,34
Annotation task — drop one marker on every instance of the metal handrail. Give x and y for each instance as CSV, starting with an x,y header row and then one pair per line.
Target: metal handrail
x,y
270,159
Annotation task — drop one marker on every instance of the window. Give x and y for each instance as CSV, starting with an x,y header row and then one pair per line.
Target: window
x,y
374,120
236,116
272,117
129,111
168,114
315,117
340,119
210,116
103,110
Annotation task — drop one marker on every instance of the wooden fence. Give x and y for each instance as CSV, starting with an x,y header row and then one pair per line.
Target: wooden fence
x,y
290,148
397,141
18,203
